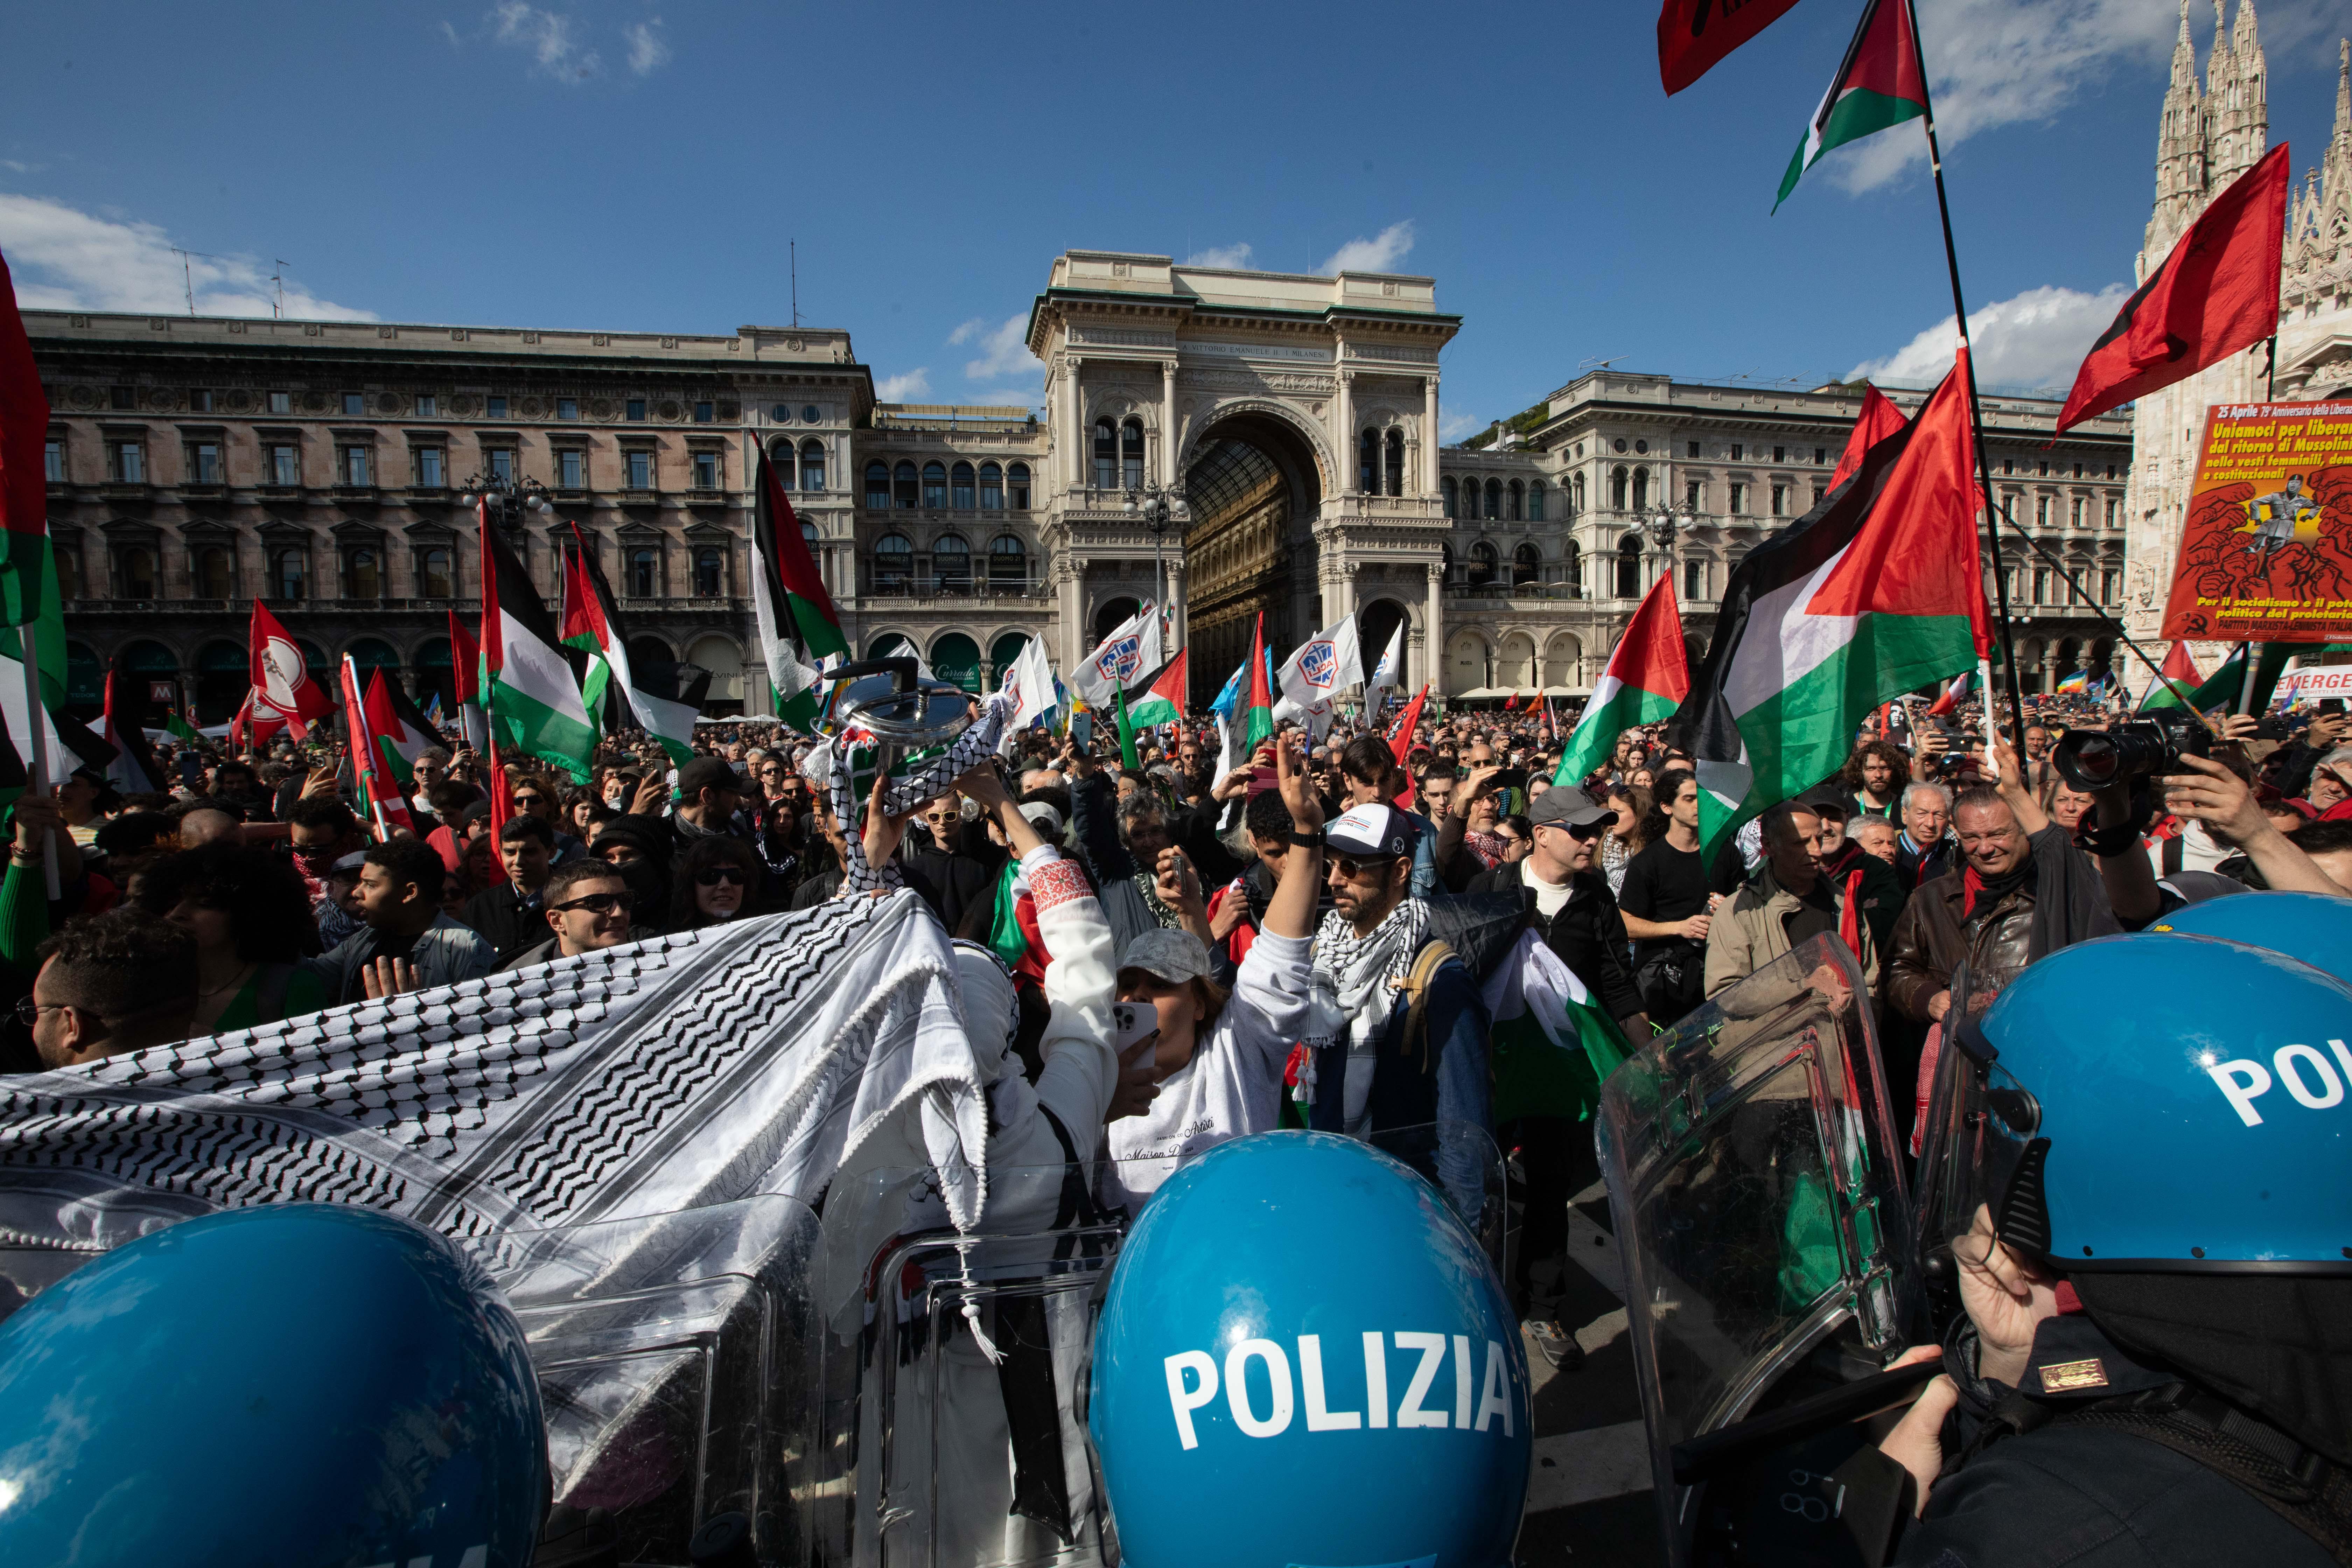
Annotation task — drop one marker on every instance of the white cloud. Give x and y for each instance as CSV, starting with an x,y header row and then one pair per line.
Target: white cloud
x,y
648,51
1229,257
551,38
1004,348
14,167
66,259
914,384
2035,341
1454,426
1377,254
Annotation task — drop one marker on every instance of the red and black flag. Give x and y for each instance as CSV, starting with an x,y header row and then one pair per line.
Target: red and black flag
x,y
1695,35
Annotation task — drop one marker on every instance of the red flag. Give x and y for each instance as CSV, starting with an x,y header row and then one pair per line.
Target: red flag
x,y
378,791
466,661
283,691
1258,713
1400,742
2216,294
1879,420
2181,669
1695,35
24,475
502,804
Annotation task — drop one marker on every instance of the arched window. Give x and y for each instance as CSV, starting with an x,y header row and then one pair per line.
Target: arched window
x,y
1641,490
992,487
1484,565
134,571
1535,501
1494,499
1368,461
433,576
1016,485
643,573
961,494
1105,454
1527,565
935,485
902,485
1617,490
1518,501
782,460
363,574
812,464
710,572
1448,488
951,563
878,486
894,563
809,535
1572,569
1131,446
1396,461
1575,497
1629,567
1008,561
213,573
287,570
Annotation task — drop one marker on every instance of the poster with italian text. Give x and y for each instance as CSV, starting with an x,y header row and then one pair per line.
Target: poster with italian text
x,y
2266,552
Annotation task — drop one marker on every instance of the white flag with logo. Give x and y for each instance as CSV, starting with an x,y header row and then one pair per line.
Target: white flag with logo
x,y
1030,682
1325,665
1385,675
1129,653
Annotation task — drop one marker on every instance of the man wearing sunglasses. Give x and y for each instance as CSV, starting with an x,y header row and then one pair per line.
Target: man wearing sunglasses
x,y
587,908
118,981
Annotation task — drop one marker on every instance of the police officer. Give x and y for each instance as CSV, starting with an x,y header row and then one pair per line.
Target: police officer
x,y
2142,1175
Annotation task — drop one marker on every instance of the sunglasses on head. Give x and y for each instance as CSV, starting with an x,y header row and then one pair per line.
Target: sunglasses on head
x,y
712,876
601,903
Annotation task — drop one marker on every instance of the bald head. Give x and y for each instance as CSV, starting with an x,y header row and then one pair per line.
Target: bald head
x,y
208,824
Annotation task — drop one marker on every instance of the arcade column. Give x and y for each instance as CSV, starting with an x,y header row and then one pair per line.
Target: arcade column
x,y
1432,658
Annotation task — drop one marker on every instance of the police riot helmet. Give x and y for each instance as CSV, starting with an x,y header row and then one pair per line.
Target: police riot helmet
x,y
1305,1357
308,1383
2313,927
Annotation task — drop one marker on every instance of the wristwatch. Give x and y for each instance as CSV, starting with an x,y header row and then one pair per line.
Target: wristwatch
x,y
1306,840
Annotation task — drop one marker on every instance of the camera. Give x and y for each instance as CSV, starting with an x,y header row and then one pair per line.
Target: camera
x,y
2094,759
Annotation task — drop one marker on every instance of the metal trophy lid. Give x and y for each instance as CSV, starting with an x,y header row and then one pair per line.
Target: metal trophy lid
x,y
890,698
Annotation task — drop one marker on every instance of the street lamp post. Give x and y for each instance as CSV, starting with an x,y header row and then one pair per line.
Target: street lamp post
x,y
1159,512
1663,524
505,498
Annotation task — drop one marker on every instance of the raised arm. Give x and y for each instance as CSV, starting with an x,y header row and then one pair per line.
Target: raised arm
x,y
1291,912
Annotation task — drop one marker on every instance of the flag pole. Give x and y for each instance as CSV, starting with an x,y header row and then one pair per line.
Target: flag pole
x,y
1975,410
2066,576
38,742
2246,685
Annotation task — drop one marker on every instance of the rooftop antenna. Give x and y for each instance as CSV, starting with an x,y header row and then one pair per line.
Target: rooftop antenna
x,y
1600,363
795,254
278,281
187,277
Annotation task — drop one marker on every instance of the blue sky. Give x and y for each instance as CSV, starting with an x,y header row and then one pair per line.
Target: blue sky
x,y
634,166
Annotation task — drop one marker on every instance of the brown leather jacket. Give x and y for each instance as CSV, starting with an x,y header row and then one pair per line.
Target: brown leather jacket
x,y
1931,940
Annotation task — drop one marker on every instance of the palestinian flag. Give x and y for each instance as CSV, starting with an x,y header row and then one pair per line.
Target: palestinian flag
x,y
399,733
527,690
178,725
2229,682
1879,420
1257,707
466,684
663,698
384,800
1647,678
1876,591
799,627
133,768
1553,1044
1879,84
29,572
1161,700
2180,670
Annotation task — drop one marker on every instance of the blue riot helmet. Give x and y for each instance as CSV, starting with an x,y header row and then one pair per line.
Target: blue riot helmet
x,y
1305,1358
2313,927
297,1384
2157,1102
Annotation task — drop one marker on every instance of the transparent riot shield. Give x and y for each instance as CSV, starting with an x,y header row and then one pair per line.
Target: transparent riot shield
x,y
1759,1207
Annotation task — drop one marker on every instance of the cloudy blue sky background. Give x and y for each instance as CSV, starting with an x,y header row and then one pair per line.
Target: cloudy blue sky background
x,y
635,165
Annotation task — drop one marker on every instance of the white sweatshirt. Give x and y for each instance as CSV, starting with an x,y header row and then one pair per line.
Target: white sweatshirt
x,y
1233,1085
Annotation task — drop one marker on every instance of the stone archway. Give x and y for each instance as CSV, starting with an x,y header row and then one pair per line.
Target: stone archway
x,y
1377,621
1254,481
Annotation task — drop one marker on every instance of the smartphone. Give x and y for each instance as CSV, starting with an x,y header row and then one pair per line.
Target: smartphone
x,y
2331,705
1511,778
1131,1022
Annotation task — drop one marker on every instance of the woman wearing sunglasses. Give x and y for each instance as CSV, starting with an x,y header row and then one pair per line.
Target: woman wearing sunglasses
x,y
718,880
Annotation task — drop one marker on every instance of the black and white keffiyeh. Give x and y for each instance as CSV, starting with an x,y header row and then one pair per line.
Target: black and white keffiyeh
x,y
1359,970
843,766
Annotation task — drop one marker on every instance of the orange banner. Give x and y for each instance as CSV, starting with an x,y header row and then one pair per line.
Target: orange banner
x,y
2266,553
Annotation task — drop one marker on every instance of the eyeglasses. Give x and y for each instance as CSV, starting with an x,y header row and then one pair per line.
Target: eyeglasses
x,y
712,876
28,1012
530,800
599,903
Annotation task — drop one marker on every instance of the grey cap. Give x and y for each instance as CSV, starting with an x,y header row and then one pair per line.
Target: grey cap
x,y
1174,956
1568,808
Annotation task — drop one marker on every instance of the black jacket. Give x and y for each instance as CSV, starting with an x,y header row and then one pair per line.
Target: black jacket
x,y
1589,933
503,917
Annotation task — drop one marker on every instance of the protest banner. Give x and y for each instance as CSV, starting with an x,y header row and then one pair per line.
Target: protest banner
x,y
2266,550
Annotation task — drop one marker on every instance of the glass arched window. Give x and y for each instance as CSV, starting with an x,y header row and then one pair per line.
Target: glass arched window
x,y
878,486
1495,499
710,572
363,574
961,494
812,464
1447,487
992,487
1629,567
786,466
433,576
285,575
1572,569
213,572
1527,565
1367,462
1016,485
1641,490
809,536
1617,490
643,573
1105,454
894,563
1518,501
1576,497
134,569
951,563
1483,565
1130,452
902,486
1396,462
935,485
1008,561
1535,501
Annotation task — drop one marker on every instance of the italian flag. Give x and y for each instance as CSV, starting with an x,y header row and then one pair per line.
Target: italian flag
x,y
534,705
1879,84
1647,678
1161,700
1876,591
1552,1044
799,627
